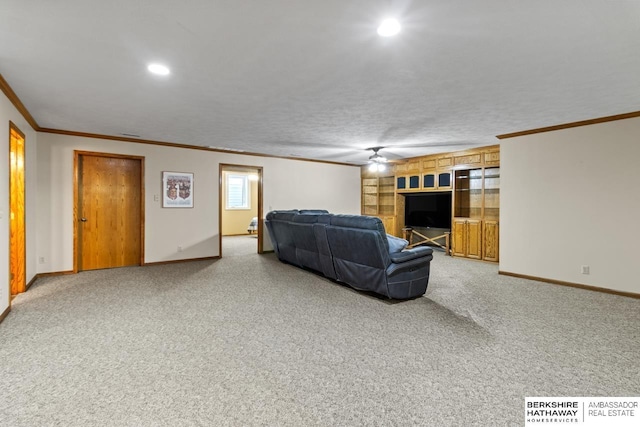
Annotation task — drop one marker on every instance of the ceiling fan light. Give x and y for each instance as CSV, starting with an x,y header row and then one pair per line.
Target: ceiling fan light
x,y
381,167
389,28
373,167
159,69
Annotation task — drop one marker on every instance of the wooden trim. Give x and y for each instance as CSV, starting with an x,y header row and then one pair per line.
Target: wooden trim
x,y
32,281
13,98
22,194
11,95
571,125
142,208
5,313
76,160
220,190
185,146
260,213
229,166
572,285
175,261
55,273
76,157
436,156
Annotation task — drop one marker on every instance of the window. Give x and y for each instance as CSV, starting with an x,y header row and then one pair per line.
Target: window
x,y
238,192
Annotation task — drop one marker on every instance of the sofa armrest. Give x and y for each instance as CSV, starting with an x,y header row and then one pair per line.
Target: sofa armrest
x,y
409,254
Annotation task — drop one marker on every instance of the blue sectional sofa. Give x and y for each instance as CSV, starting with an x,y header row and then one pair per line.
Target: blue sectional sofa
x,y
351,249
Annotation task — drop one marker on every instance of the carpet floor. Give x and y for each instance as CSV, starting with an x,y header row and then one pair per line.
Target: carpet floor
x,y
249,341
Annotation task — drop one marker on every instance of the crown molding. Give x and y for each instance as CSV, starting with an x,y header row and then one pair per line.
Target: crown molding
x,y
11,95
183,146
571,125
13,98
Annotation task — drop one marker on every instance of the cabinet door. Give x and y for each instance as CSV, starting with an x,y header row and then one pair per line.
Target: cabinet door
x,y
444,180
490,240
401,182
459,237
474,238
429,181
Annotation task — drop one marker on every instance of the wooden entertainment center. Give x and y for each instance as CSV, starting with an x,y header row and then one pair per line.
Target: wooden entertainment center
x,y
472,177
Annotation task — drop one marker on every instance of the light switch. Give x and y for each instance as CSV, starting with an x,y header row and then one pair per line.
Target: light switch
x,y
156,198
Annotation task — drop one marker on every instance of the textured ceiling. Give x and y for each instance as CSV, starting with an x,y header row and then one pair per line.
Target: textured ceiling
x,y
312,78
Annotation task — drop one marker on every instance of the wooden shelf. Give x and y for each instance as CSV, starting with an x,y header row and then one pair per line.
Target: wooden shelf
x,y
476,213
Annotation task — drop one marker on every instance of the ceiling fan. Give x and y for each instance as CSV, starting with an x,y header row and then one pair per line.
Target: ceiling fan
x,y
377,161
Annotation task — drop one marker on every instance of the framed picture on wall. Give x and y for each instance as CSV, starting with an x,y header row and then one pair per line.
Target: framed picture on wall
x,y
177,190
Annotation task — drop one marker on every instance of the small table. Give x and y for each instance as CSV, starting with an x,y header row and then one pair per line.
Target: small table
x,y
409,232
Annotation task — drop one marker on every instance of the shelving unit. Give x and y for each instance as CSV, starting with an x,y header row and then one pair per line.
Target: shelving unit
x,y
476,213
473,177
492,193
378,199
386,196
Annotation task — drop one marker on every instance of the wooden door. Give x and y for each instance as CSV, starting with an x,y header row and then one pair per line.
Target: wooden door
x,y
459,242
474,238
17,244
490,240
109,219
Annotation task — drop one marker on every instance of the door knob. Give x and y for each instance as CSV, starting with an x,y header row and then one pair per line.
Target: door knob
x,y
83,219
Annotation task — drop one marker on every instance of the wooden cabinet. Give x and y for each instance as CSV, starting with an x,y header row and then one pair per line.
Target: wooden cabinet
x,y
476,210
436,181
408,182
490,239
467,238
473,177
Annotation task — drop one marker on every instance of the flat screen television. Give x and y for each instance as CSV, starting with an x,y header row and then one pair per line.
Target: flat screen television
x,y
428,210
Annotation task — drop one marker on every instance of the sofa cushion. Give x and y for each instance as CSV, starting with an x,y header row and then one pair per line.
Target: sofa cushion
x,y
396,244
313,211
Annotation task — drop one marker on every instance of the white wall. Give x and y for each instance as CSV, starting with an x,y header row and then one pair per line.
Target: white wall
x,y
287,184
9,113
571,198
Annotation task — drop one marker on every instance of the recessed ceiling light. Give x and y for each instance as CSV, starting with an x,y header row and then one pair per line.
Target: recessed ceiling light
x,y
389,27
158,69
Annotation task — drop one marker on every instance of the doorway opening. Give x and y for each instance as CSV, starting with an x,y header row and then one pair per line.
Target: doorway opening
x,y
108,211
240,209
17,233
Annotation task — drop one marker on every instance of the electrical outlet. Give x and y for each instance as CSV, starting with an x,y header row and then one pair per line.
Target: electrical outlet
x,y
180,248
41,260
585,269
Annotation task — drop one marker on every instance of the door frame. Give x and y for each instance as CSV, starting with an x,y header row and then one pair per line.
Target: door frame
x,y
20,257
76,188
230,166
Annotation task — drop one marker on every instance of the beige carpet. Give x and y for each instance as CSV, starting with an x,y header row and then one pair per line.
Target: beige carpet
x,y
249,341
